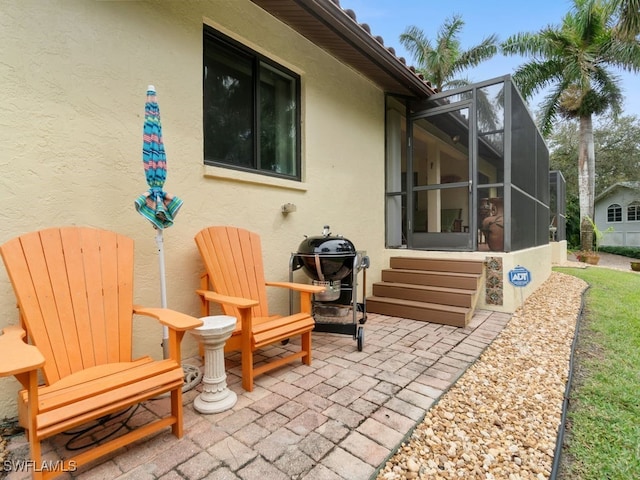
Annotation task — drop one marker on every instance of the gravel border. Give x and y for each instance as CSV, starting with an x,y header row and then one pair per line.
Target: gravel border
x,y
500,419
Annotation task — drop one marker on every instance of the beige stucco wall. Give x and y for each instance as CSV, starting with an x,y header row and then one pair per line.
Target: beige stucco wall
x,y
558,252
74,76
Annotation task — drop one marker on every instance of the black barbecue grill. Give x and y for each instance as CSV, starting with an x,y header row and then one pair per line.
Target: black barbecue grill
x,y
334,262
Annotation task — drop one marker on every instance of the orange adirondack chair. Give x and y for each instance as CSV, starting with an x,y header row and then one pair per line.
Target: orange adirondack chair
x,y
234,268
74,288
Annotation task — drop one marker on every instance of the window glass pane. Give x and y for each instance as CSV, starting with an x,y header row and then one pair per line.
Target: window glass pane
x,y
278,120
442,210
228,107
251,111
633,212
614,213
441,148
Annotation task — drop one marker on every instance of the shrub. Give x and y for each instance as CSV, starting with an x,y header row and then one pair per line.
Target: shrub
x,y
631,252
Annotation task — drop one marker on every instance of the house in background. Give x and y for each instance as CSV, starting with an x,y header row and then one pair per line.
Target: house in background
x,y
264,103
618,207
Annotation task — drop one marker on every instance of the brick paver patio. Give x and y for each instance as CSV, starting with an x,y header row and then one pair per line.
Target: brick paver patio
x,y
339,418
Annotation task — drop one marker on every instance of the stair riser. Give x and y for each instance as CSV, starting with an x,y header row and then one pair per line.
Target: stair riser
x,y
426,278
423,314
429,296
437,264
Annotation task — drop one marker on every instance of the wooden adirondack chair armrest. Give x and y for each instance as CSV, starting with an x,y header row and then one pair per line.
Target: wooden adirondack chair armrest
x,y
305,289
238,302
298,287
172,319
17,356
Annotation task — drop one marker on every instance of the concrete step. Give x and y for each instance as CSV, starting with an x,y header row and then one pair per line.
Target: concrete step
x,y
438,290
425,293
437,264
467,281
423,311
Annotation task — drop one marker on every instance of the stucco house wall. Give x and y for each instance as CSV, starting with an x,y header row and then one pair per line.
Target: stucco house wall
x,y
74,76
625,233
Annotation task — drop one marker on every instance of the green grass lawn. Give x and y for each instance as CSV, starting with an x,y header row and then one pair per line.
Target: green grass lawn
x,y
603,434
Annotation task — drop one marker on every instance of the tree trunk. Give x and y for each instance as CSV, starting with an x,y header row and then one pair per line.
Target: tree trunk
x,y
586,170
586,235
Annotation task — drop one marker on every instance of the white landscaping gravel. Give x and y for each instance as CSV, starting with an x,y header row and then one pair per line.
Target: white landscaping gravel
x,y
500,420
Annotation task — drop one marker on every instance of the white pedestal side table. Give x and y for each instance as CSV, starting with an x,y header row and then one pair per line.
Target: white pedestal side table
x,y
216,396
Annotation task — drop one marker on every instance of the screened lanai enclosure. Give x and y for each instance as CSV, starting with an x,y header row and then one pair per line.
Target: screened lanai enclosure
x,y
467,170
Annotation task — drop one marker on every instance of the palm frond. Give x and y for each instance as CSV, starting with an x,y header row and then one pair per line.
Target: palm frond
x,y
450,28
440,60
607,86
535,76
521,44
628,26
416,43
477,54
574,60
457,83
623,54
588,20
549,109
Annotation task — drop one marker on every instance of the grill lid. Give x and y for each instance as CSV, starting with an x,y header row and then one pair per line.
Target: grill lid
x,y
326,257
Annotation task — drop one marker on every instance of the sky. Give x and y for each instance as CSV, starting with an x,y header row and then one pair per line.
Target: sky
x,y
390,18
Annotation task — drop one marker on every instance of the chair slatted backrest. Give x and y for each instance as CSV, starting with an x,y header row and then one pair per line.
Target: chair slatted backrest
x,y
74,288
233,260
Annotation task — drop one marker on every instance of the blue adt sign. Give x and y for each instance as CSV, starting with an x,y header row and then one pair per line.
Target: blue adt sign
x,y
519,276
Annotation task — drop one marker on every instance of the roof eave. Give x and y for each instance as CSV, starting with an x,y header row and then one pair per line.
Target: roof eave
x,y
629,185
374,60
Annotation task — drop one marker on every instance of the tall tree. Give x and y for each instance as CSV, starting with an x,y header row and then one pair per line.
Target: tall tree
x,y
617,148
443,60
575,61
616,145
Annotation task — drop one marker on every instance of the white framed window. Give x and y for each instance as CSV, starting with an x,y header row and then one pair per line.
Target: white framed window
x,y
614,213
633,212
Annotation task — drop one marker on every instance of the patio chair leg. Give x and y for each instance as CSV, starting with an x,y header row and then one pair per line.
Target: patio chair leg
x,y
247,369
306,347
176,411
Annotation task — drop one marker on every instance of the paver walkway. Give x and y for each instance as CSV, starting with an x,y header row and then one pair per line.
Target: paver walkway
x,y
339,418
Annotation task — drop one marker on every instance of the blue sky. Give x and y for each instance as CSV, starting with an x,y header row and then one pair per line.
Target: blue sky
x,y
390,18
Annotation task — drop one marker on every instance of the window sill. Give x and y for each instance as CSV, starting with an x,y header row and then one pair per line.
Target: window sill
x,y
254,178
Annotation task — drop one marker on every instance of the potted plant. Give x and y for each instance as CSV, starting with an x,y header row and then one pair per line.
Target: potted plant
x,y
591,257
588,256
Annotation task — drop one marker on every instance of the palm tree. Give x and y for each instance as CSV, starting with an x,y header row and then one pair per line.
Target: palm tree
x,y
440,63
574,62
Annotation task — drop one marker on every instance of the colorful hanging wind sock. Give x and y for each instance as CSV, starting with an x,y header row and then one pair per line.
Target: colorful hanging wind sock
x,y
156,205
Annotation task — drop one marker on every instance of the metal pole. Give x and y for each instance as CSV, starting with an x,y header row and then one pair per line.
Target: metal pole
x,y
163,291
